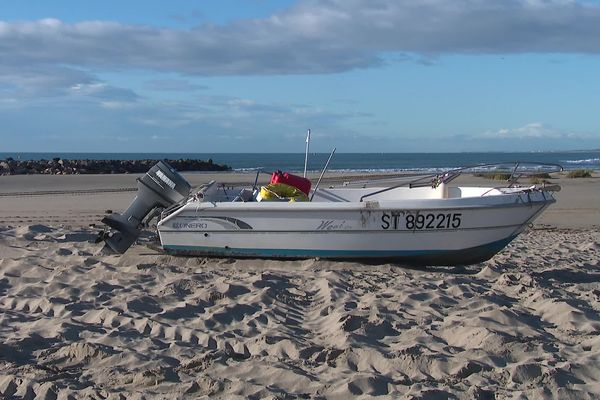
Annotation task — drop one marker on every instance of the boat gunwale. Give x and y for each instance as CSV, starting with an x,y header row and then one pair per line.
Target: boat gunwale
x,y
198,207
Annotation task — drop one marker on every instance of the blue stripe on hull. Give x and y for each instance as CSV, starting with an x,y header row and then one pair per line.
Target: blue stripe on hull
x,y
417,257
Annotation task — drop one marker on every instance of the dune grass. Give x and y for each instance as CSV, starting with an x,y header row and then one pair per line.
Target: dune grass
x,y
580,173
496,176
505,176
539,179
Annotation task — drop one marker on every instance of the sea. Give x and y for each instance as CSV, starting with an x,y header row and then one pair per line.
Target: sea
x,y
345,162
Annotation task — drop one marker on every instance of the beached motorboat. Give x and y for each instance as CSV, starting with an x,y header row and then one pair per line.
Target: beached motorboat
x,y
418,220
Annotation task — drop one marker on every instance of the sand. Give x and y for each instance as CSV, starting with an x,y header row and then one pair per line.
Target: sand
x,y
76,322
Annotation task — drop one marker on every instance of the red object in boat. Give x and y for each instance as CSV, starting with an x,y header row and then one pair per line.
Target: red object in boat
x,y
292,180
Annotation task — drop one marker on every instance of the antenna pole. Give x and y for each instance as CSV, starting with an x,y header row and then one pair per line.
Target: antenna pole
x,y
322,173
306,153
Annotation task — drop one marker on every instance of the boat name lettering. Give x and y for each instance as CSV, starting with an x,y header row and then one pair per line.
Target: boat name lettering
x,y
165,179
331,225
404,220
190,225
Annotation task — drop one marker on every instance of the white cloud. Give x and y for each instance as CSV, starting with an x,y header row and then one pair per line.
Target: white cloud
x,y
239,103
46,60
107,93
312,37
30,85
39,81
111,104
534,130
533,136
160,137
172,85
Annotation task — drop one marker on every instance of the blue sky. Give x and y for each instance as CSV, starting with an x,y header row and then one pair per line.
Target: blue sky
x,y
253,75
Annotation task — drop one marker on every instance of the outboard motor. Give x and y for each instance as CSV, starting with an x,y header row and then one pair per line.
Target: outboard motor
x,y
162,186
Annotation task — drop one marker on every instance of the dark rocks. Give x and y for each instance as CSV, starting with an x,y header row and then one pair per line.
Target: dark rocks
x,y
58,166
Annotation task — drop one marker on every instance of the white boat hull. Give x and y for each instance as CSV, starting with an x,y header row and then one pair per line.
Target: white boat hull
x,y
431,231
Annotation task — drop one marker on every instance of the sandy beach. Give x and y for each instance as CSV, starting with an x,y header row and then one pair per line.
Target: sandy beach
x,y
76,322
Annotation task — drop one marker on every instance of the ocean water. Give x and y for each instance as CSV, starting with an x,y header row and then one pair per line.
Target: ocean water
x,y
359,162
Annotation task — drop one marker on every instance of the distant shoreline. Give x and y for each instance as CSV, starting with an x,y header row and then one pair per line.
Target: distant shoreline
x,y
59,153
342,162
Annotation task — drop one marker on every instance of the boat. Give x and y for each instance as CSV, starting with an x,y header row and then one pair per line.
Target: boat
x,y
423,220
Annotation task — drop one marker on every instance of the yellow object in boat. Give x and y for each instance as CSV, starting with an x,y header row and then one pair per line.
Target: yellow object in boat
x,y
281,191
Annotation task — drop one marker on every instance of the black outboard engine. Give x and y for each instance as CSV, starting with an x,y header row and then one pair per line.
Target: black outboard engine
x,y
162,186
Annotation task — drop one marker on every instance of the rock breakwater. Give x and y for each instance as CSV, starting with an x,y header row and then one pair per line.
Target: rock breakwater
x,y
58,166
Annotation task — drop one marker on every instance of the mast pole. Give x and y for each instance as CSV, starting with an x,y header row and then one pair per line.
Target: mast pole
x,y
306,153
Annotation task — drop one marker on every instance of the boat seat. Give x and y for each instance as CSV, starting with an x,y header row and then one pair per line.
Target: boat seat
x,y
442,190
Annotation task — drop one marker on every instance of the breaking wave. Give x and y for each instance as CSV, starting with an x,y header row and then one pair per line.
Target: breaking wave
x,y
587,161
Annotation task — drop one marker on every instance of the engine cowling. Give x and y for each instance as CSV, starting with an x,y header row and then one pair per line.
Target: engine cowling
x,y
162,186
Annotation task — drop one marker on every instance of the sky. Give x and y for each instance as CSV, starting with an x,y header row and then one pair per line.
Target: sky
x,y
208,76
